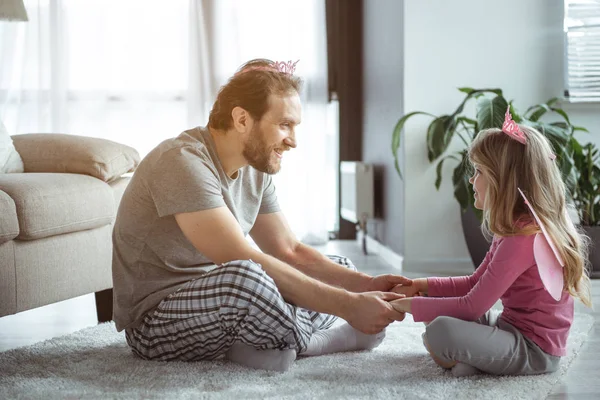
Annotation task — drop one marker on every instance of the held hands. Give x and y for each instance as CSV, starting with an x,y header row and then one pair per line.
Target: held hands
x,y
408,291
385,283
402,305
372,312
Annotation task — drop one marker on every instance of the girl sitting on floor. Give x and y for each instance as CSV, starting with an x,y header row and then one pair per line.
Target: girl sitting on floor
x,y
535,266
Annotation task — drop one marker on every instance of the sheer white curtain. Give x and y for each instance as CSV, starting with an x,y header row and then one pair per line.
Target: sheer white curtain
x,y
115,69
141,71
289,30
33,70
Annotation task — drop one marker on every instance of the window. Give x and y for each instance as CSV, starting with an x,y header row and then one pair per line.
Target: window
x,y
582,50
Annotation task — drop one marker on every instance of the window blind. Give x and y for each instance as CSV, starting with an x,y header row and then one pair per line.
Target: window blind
x,y
582,50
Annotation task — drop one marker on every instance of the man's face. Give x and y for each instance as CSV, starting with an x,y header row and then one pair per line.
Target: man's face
x,y
273,134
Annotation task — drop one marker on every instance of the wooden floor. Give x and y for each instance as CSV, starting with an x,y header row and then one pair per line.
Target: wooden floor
x,y
26,328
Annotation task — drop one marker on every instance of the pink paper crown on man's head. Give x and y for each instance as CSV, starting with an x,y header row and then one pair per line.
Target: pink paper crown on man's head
x,y
285,67
288,67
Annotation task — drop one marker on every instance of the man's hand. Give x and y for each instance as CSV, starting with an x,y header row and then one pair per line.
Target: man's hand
x,y
385,283
408,291
371,312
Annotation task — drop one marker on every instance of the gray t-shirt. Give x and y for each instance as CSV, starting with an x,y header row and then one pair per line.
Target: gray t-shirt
x,y
151,256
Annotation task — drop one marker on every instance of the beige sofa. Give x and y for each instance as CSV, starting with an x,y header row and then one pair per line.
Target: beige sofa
x,y
56,220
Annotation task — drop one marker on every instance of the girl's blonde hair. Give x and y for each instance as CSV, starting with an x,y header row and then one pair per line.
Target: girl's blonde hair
x,y
508,165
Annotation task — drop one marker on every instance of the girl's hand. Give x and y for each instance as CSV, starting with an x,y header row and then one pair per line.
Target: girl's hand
x,y
402,305
408,291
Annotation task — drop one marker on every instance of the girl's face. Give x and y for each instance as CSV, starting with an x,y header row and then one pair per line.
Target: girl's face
x,y
479,182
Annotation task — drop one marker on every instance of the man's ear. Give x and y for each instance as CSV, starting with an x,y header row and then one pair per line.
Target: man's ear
x,y
242,121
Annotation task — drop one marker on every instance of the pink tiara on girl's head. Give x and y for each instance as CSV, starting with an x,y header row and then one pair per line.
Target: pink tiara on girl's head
x,y
511,128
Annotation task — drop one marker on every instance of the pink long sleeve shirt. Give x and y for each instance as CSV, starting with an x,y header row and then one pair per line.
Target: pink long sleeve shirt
x,y
508,272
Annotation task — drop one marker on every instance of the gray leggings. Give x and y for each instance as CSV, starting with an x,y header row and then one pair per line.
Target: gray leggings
x,y
489,344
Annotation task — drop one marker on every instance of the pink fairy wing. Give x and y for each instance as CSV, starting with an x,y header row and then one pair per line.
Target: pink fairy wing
x,y
550,264
551,271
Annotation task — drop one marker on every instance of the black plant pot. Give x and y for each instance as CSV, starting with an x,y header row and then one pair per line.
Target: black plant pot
x,y
594,233
476,242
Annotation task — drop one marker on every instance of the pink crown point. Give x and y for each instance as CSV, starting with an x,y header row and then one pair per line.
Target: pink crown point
x,y
511,128
285,67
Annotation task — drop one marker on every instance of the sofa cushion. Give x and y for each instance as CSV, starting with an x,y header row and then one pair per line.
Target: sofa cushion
x,y
53,152
52,204
9,225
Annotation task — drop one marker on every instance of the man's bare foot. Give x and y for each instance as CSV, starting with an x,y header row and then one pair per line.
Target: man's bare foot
x,y
270,359
339,339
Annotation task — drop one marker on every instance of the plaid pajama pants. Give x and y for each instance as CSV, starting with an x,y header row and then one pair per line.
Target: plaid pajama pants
x,y
235,301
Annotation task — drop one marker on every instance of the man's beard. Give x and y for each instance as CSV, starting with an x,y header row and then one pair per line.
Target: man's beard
x,y
259,154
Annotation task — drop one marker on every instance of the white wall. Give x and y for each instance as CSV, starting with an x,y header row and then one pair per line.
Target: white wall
x,y
382,99
515,45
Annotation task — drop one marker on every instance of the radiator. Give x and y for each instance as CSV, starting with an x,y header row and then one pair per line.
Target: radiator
x,y
356,187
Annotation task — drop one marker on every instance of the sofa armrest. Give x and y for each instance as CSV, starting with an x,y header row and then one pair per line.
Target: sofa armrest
x,y
53,152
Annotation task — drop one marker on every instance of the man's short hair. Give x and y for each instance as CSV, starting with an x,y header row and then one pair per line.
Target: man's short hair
x,y
249,88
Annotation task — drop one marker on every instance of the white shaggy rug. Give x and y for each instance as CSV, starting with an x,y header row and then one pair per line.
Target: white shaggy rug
x,y
96,363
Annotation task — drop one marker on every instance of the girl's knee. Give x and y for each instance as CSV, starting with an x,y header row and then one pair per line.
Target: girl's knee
x,y
441,334
439,325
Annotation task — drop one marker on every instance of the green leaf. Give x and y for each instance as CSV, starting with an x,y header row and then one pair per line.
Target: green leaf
x,y
562,113
438,169
553,132
474,94
438,173
397,134
466,90
490,112
451,127
436,136
460,179
467,120
580,128
539,112
561,125
515,116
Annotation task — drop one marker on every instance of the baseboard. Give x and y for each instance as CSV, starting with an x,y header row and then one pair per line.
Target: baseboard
x,y
437,267
388,255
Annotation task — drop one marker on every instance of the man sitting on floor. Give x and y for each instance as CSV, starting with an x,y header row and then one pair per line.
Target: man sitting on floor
x,y
189,286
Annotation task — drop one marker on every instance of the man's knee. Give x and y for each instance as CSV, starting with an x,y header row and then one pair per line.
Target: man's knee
x,y
245,280
241,267
343,261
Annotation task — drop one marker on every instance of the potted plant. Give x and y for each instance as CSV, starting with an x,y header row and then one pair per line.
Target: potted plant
x,y
490,110
586,197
